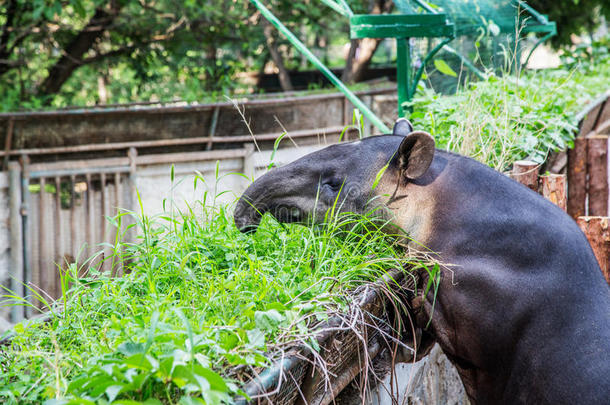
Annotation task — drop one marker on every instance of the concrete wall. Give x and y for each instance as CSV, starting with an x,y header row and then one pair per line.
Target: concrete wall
x,y
431,381
156,189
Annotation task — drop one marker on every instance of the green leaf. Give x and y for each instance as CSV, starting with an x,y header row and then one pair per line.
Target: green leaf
x,y
380,175
217,383
444,68
268,320
79,9
130,348
191,401
113,391
256,337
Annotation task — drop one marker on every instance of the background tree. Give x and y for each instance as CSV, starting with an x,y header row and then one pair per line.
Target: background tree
x,y
62,52
572,16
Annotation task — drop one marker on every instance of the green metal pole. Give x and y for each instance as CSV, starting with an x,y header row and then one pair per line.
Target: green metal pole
x,y
325,71
346,7
403,73
346,12
541,18
478,73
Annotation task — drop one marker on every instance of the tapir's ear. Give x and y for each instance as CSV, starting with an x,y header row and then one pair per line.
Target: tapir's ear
x,y
402,127
415,154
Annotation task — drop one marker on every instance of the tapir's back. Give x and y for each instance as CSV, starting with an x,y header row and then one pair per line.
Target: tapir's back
x,y
527,281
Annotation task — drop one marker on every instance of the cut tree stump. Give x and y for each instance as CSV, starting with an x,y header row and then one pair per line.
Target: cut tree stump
x,y
554,189
597,168
526,173
596,231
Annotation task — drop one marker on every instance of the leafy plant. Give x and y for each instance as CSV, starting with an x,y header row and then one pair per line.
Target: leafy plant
x,y
199,307
507,118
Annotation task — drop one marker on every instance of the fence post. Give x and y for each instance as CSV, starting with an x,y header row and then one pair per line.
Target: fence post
x,y
554,189
16,228
577,178
597,169
526,173
249,169
597,232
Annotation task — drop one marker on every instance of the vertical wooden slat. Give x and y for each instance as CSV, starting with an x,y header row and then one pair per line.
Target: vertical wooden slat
x,y
90,217
73,241
132,203
102,217
554,189
577,178
16,270
27,228
212,128
59,254
596,230
597,169
8,141
43,255
526,173
117,206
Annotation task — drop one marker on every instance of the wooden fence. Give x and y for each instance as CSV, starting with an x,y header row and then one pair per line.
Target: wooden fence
x,y
69,170
585,190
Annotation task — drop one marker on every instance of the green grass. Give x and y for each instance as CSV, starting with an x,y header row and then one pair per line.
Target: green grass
x,y
199,300
504,119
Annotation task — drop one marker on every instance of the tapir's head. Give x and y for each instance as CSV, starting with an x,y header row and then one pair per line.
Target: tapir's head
x,y
345,176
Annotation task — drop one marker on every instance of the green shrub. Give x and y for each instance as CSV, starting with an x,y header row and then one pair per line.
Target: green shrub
x,y
504,119
199,304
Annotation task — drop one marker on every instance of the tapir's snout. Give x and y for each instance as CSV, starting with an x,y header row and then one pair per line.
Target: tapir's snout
x,y
247,216
246,222
266,194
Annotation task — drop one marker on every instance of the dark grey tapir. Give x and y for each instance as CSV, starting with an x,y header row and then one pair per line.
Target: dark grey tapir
x,y
524,311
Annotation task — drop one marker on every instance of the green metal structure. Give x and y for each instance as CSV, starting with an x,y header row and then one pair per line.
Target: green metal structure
x,y
402,27
423,29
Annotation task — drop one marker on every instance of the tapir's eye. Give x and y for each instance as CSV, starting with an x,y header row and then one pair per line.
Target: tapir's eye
x,y
333,183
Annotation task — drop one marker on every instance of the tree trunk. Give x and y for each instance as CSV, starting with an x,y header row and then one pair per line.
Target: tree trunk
x,y
361,51
349,62
276,56
75,50
360,63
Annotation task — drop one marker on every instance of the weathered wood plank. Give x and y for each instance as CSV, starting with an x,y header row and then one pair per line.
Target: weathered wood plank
x,y
577,178
597,169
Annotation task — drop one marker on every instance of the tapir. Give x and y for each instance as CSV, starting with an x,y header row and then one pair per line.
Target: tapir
x,y
522,309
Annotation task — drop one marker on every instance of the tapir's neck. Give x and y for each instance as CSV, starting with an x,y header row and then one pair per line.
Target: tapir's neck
x,y
413,204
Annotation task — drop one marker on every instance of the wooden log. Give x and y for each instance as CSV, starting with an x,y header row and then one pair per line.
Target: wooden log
x,y
589,122
577,178
554,189
601,126
597,169
526,173
596,231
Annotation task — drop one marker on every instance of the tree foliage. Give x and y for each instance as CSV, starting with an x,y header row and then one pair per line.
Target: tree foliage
x,y
60,52
572,16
